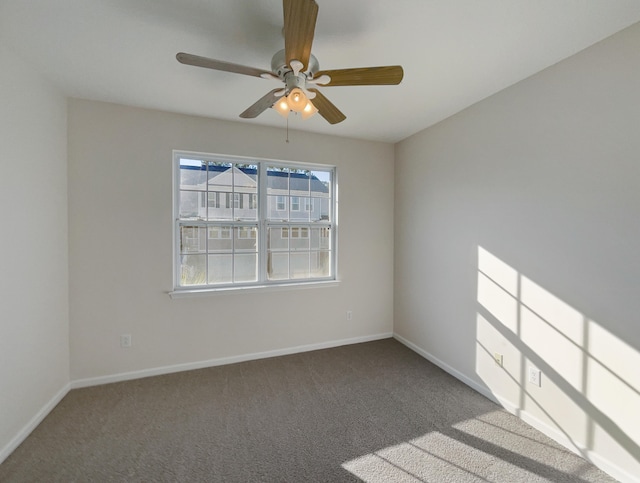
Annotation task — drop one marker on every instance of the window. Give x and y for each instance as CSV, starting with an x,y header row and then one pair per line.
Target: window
x,y
243,222
213,199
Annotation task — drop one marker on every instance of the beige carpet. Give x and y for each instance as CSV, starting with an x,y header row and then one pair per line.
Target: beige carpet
x,y
367,412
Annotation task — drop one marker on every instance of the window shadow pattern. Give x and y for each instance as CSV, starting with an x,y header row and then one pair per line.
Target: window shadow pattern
x,y
589,393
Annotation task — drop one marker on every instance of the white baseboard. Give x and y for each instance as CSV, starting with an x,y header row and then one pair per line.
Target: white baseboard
x,y
47,408
605,465
33,423
447,368
158,371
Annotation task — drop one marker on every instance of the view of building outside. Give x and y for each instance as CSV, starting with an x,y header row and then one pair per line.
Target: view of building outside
x,y
219,209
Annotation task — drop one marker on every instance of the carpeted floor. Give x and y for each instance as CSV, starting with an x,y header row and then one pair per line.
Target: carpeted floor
x,y
367,412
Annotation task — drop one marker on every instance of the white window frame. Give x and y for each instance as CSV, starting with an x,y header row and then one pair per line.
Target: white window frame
x,y
262,225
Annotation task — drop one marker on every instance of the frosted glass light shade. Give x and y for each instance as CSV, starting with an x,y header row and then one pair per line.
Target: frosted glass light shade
x,y
309,110
282,107
297,100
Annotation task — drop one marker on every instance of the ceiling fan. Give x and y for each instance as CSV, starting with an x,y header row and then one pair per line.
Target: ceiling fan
x,y
299,70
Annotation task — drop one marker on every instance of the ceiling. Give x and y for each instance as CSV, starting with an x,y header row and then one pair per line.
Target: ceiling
x,y
454,52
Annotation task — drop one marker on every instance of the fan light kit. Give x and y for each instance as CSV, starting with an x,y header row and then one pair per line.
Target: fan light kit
x,y
300,71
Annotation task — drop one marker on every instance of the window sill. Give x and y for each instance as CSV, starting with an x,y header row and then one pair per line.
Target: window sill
x,y
177,294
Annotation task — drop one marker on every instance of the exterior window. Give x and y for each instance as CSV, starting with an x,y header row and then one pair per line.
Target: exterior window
x,y
297,232
243,222
219,232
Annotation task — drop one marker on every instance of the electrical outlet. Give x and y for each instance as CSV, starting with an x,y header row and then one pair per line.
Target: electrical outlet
x,y
498,358
349,315
125,341
535,376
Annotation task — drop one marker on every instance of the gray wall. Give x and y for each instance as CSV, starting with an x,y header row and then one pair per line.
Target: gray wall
x,y
34,314
517,229
120,199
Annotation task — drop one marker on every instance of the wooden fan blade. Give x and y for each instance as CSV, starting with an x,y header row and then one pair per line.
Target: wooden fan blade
x,y
299,26
264,103
364,76
326,109
198,61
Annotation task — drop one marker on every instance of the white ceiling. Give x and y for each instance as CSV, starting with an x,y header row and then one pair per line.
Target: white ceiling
x,y
454,52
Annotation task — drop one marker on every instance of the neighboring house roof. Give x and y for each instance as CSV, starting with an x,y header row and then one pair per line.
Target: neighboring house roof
x,y
234,177
247,177
297,182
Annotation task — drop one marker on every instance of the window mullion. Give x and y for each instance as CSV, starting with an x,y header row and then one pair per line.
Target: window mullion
x,y
262,223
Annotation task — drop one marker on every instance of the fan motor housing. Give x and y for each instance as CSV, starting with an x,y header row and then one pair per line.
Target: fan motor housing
x,y
280,67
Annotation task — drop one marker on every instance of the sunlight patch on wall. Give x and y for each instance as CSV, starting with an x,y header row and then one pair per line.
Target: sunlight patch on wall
x,y
614,383
589,391
490,341
553,330
498,288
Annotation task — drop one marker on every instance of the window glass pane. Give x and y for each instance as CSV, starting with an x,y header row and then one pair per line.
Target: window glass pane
x,y
320,238
277,181
300,265
320,264
245,267
220,173
278,238
278,208
320,184
220,206
220,238
193,239
191,205
321,209
299,238
298,212
193,174
246,238
278,266
193,270
246,177
220,182
213,200
220,268
299,182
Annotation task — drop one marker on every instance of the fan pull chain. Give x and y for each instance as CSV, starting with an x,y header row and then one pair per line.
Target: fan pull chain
x,y
287,130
